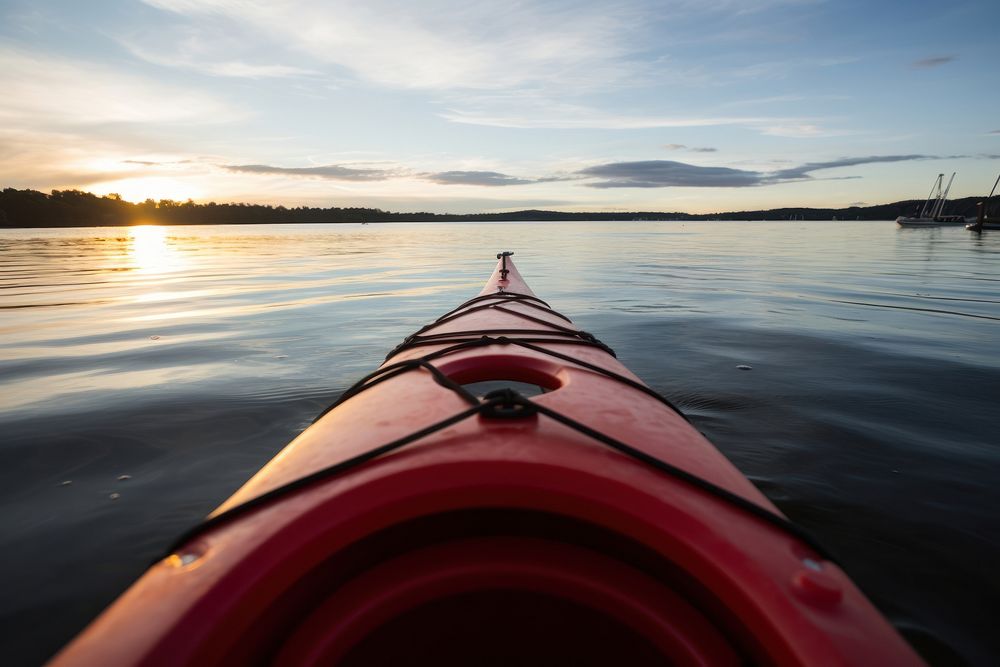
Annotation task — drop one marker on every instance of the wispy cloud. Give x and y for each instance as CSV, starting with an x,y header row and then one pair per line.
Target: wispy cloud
x,y
61,159
554,64
440,45
334,172
540,113
693,149
936,61
785,99
192,50
796,130
804,170
41,90
993,132
780,69
157,163
668,173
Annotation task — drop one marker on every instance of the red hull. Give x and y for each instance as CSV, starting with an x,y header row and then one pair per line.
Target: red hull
x,y
518,540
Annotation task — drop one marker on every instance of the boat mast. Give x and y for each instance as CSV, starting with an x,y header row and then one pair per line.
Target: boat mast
x,y
937,185
986,207
939,209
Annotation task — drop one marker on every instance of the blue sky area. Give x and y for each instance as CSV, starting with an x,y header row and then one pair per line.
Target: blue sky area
x,y
678,105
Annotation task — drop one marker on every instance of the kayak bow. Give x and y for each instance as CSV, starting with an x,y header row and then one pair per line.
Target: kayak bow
x,y
502,490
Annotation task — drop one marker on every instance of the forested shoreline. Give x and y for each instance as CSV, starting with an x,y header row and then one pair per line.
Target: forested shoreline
x,y
75,208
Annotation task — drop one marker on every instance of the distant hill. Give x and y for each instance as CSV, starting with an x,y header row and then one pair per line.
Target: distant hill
x,y
73,208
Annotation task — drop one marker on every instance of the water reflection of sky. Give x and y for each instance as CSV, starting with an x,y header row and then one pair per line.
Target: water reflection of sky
x,y
150,297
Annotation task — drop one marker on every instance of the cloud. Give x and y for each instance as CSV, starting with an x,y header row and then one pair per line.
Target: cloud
x,y
333,172
436,45
531,110
858,203
993,132
803,171
155,163
668,173
192,50
488,178
936,61
517,68
42,91
45,159
795,130
693,149
542,114
337,172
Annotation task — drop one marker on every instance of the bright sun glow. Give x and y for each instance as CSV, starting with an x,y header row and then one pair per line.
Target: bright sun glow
x,y
151,250
152,187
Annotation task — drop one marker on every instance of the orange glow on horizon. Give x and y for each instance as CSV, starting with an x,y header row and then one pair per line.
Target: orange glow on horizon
x,y
140,189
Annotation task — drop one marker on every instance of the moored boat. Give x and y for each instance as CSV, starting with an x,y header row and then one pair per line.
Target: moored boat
x,y
502,490
932,213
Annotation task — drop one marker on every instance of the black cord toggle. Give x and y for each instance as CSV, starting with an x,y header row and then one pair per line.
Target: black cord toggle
x,y
507,404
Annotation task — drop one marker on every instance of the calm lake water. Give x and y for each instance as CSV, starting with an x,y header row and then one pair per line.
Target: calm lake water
x,y
186,357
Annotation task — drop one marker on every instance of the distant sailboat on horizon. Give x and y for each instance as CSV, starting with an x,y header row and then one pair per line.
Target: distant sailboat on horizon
x,y
932,214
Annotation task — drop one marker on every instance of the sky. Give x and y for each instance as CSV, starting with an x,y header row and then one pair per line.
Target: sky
x,y
464,106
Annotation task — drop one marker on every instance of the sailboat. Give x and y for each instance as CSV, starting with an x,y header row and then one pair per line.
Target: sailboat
x,y
932,214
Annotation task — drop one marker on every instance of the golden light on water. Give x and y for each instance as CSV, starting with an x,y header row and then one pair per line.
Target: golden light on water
x,y
151,250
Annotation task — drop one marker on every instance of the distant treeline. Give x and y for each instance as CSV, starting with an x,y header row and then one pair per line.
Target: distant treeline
x,y
73,208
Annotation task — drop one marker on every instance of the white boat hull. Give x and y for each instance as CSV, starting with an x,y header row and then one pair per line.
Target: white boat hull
x,y
931,222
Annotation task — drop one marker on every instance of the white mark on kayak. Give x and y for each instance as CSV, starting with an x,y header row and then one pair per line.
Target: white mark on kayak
x,y
193,553
65,482
115,496
122,478
744,367
811,564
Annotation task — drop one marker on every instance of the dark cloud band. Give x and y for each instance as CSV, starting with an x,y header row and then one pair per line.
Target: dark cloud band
x,y
668,173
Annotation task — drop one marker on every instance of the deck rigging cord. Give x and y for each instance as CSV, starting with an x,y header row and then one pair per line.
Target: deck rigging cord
x,y
499,404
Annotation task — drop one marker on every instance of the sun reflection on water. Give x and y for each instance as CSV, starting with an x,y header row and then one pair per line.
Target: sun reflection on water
x,y
151,251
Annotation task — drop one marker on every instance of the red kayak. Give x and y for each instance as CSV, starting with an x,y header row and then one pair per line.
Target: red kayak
x,y
501,491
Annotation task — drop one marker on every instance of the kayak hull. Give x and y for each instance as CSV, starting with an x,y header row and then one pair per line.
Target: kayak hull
x,y
514,536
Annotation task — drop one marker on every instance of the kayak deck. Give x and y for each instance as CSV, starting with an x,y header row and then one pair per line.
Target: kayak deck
x,y
417,521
